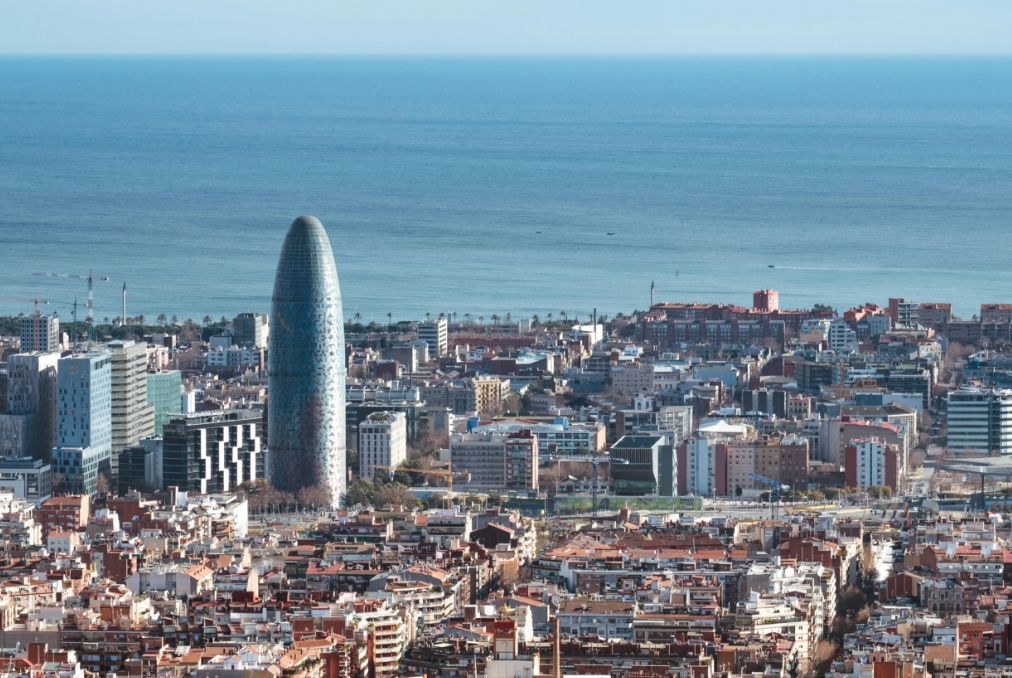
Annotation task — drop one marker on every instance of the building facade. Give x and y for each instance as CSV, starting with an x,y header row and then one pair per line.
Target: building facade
x,y
31,405
40,333
164,391
306,376
212,451
382,441
133,417
871,462
496,462
29,479
434,334
980,421
84,422
643,465
250,330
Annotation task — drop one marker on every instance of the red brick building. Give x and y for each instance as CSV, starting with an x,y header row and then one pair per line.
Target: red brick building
x,y
64,514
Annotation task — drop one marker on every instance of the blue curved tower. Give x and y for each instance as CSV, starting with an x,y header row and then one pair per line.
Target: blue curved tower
x,y
306,366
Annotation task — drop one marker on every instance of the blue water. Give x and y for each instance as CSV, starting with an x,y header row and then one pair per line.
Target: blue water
x,y
859,179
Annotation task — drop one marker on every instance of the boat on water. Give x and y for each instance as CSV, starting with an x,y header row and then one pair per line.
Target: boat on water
x,y
611,233
772,266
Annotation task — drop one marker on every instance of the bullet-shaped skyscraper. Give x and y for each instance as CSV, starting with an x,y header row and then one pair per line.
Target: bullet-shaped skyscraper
x,y
306,366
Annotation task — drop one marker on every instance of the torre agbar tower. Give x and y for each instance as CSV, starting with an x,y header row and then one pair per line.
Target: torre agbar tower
x,y
306,366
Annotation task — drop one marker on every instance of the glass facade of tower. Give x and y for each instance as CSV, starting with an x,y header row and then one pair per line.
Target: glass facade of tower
x,y
306,376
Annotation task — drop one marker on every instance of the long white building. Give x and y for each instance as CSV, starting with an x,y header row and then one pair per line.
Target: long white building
x,y
980,421
563,438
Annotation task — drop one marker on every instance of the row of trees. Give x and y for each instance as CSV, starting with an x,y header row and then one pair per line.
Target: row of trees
x,y
264,497
831,494
133,328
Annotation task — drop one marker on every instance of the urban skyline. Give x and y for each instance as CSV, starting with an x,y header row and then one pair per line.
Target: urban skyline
x,y
662,340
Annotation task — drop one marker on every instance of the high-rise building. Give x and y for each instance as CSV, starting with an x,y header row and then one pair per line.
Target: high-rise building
x,y
164,391
980,421
306,375
382,441
250,330
212,451
31,406
133,417
434,333
40,333
84,422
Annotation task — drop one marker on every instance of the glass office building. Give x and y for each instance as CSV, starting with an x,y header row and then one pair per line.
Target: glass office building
x,y
306,376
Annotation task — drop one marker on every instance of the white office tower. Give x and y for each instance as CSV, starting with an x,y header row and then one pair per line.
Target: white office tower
x,y
40,333
28,428
434,334
382,441
133,417
84,423
980,421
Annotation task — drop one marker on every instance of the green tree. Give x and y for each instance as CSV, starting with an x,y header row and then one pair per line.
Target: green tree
x,y
394,494
360,492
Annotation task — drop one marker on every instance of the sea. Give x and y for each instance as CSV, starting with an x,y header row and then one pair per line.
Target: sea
x,y
494,186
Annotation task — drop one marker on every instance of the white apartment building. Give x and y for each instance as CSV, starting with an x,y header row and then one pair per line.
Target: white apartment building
x,y
869,462
805,582
980,421
764,614
383,441
234,357
434,333
562,438
841,336
700,467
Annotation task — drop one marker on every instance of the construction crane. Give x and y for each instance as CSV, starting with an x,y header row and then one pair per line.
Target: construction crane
x,y
776,487
91,294
439,473
36,301
22,300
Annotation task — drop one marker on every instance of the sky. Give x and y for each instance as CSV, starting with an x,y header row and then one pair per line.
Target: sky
x,y
531,27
